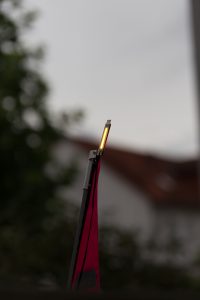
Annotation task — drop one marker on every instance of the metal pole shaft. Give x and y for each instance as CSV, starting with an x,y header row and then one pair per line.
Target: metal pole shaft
x,y
195,23
86,191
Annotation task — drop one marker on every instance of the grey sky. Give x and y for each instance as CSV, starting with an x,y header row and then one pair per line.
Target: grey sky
x,y
126,60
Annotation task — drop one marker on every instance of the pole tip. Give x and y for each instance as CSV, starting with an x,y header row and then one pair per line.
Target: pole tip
x,y
108,122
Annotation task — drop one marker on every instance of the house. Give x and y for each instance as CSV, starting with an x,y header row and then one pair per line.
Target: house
x,y
156,197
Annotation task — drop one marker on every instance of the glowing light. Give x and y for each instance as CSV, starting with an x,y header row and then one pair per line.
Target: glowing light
x,y
104,136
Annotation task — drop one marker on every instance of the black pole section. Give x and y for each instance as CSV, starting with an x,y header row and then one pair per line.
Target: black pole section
x,y
195,22
92,162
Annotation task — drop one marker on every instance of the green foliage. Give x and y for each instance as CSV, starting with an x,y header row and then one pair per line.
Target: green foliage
x,y
34,231
119,258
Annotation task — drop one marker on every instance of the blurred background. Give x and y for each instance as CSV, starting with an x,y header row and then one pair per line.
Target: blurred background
x,y
65,68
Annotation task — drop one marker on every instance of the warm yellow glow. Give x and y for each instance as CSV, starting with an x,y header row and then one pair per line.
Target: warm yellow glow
x,y
104,138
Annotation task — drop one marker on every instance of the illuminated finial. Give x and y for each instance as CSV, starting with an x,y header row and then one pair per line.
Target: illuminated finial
x,y
104,137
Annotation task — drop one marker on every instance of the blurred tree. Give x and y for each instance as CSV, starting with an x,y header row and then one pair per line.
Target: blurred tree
x,y
34,232
120,258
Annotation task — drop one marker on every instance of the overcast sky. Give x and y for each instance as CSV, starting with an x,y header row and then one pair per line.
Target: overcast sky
x,y
125,60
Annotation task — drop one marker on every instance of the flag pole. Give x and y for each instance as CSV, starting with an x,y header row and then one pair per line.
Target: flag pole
x,y
94,156
195,24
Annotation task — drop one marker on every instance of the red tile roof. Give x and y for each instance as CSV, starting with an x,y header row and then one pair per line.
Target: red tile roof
x,y
166,182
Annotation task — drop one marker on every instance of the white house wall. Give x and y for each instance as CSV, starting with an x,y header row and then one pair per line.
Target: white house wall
x,y
181,225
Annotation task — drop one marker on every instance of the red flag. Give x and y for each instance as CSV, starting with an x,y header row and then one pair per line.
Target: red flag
x,y
84,270
85,274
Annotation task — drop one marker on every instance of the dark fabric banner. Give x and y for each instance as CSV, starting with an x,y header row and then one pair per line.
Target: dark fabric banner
x,y
86,271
